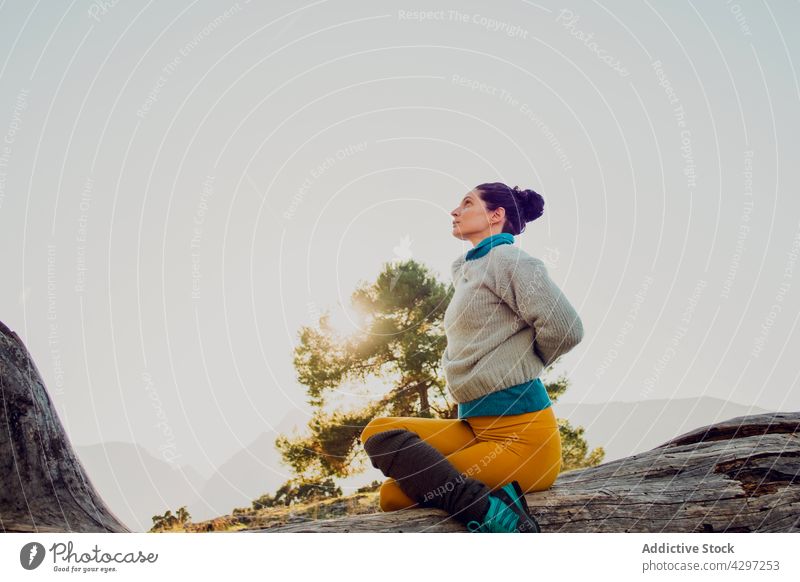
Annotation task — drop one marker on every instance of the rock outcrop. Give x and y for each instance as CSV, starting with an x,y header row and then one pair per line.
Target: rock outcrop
x,y
43,486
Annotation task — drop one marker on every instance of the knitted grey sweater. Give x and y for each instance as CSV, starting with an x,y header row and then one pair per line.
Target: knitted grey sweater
x,y
507,320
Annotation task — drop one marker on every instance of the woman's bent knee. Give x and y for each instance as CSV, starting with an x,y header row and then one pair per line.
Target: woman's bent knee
x,y
541,477
392,497
377,425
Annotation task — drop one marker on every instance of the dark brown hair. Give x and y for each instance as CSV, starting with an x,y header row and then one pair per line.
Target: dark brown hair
x,y
521,205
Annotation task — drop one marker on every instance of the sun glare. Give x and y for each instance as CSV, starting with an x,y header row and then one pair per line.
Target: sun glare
x,y
346,320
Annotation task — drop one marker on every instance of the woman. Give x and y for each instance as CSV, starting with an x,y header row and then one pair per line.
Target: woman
x,y
506,321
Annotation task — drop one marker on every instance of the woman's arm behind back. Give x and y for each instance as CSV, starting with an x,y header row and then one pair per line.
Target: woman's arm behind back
x,y
523,282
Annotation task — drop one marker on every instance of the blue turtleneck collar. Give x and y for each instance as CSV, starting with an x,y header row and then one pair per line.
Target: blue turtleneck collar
x,y
483,247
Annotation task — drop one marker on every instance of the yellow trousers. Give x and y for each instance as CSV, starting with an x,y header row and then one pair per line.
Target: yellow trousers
x,y
493,449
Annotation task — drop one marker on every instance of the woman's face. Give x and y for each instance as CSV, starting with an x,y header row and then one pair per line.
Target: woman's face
x,y
472,221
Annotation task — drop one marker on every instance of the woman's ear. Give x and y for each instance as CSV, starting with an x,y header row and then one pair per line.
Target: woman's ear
x,y
498,214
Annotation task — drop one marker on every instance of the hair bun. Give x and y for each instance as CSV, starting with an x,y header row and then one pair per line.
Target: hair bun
x,y
531,203
521,206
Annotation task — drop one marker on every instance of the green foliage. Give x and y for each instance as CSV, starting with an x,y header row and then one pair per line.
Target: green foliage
x,y
404,339
297,491
574,448
374,486
169,521
330,448
555,388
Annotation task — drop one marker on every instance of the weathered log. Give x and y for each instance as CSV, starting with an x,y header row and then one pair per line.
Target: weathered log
x,y
741,475
43,486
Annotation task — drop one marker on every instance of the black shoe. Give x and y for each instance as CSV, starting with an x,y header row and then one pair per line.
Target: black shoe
x,y
508,512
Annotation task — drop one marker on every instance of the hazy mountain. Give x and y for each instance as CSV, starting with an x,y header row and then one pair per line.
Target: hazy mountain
x,y
247,475
135,484
627,428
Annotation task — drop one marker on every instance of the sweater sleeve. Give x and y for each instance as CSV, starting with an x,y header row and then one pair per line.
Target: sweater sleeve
x,y
522,281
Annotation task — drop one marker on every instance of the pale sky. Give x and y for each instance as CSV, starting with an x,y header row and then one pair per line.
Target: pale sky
x,y
184,184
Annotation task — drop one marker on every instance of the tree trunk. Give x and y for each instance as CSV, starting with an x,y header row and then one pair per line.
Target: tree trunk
x,y
43,486
424,405
741,475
